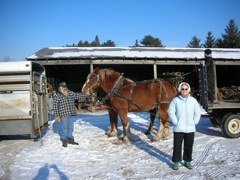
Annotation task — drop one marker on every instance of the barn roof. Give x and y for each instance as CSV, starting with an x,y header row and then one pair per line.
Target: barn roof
x,y
132,52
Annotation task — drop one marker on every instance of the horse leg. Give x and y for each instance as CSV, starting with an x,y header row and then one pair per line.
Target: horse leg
x,y
163,129
112,131
158,136
110,126
150,127
127,135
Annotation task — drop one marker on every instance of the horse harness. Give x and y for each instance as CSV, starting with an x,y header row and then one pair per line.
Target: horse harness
x,y
118,84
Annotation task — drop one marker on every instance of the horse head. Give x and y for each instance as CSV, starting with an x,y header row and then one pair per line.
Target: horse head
x,y
92,82
104,79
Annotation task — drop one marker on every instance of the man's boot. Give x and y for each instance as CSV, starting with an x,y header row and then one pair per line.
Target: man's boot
x,y
65,142
71,141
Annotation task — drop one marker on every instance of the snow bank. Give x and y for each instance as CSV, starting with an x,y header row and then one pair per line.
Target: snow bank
x,y
100,157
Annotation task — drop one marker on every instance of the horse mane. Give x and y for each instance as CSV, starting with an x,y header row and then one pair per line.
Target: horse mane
x,y
103,73
112,74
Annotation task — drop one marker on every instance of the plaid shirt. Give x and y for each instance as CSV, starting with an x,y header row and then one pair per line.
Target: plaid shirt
x,y
65,105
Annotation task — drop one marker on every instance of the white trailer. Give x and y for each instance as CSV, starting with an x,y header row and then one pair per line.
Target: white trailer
x,y
23,98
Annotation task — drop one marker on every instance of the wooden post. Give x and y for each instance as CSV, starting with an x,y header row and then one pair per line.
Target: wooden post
x,y
155,71
215,83
91,67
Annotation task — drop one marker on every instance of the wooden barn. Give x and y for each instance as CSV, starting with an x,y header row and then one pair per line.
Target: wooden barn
x,y
73,64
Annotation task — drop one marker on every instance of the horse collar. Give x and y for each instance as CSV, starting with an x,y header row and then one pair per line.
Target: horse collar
x,y
115,87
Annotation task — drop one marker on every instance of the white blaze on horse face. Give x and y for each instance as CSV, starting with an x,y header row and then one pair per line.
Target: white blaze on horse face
x,y
83,88
90,82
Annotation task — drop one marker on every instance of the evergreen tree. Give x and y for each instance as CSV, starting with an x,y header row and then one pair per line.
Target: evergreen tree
x,y
97,41
136,44
219,43
80,44
210,41
73,45
86,44
93,44
109,43
231,38
150,41
194,43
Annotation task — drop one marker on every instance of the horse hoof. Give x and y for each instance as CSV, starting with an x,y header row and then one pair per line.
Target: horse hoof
x,y
155,139
112,135
125,140
164,138
107,132
121,136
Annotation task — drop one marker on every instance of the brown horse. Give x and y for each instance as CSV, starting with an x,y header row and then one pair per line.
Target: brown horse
x,y
123,96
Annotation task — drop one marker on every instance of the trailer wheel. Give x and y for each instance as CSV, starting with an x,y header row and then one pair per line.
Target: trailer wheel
x,y
231,126
223,120
225,116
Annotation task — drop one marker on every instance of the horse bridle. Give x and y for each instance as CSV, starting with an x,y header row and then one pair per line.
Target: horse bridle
x,y
94,83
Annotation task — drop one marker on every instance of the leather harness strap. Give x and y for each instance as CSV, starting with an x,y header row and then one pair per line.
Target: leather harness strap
x,y
130,98
117,86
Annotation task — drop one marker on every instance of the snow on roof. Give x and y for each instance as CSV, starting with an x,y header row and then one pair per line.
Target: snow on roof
x,y
132,52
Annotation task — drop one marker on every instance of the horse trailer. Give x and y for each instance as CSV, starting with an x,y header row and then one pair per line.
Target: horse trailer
x,y
23,98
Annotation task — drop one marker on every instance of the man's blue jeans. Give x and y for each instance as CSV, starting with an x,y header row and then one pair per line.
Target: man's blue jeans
x,y
67,124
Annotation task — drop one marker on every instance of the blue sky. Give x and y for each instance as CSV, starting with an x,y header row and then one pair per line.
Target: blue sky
x,y
27,26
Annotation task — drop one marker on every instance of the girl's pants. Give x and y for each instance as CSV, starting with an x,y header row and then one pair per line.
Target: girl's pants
x,y
179,138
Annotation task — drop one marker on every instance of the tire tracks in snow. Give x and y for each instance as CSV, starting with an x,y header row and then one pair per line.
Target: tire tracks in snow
x,y
223,169
205,152
200,158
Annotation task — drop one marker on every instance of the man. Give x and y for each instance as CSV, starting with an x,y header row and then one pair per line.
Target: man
x,y
210,74
65,112
184,112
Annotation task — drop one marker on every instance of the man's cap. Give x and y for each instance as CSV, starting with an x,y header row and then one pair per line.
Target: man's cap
x,y
208,51
62,84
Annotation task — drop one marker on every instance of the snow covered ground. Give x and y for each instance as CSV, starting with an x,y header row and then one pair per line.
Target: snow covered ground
x,y
100,157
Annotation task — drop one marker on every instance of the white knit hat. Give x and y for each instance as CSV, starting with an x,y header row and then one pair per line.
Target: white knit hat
x,y
184,83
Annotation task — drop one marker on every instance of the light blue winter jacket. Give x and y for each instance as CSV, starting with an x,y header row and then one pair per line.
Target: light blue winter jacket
x,y
184,114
